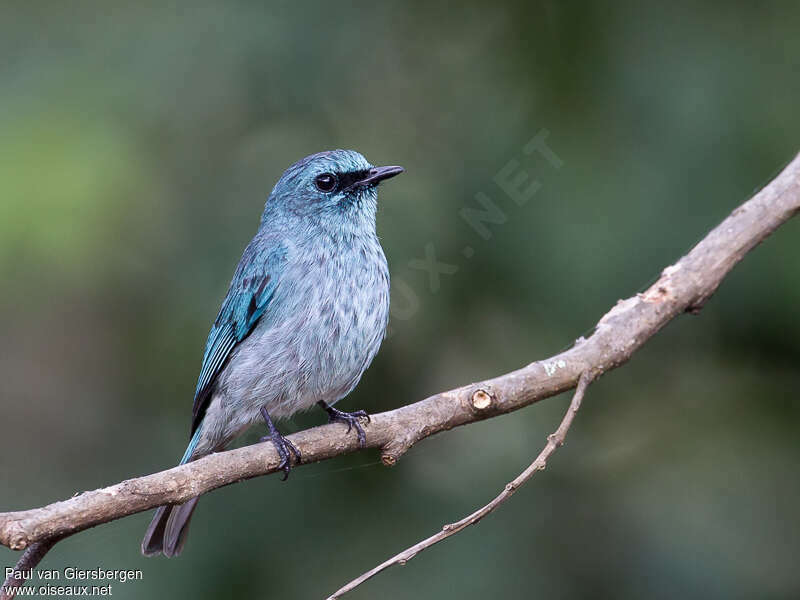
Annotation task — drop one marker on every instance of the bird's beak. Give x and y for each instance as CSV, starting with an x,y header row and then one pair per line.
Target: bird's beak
x,y
377,174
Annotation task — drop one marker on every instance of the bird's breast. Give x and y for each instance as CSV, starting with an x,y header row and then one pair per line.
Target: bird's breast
x,y
338,310
345,296
320,332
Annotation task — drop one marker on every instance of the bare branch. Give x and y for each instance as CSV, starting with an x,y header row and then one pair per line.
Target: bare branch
x,y
684,286
554,440
27,562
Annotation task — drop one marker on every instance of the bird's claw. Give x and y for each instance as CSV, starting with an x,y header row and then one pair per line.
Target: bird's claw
x,y
284,447
285,450
351,420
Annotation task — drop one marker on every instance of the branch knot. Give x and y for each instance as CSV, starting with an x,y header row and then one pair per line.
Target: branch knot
x,y
481,401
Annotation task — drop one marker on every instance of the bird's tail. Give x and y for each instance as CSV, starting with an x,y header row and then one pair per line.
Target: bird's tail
x,y
170,525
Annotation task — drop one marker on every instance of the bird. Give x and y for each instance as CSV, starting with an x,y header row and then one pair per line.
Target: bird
x,y
304,316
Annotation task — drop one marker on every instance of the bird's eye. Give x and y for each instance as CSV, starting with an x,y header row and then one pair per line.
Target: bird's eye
x,y
325,182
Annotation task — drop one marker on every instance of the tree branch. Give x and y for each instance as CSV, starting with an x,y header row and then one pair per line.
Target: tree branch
x,y
684,286
554,441
28,561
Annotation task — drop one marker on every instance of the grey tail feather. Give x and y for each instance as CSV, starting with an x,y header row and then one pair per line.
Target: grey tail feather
x,y
170,525
153,542
168,529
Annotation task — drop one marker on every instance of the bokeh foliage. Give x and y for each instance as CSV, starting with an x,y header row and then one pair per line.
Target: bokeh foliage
x,y
138,142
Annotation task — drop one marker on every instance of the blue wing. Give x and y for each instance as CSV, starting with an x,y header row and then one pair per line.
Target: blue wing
x,y
251,290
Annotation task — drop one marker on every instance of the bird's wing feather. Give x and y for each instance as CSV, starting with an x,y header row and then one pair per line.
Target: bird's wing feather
x,y
252,288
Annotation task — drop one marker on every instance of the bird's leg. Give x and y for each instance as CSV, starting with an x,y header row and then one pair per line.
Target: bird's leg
x,y
284,447
338,416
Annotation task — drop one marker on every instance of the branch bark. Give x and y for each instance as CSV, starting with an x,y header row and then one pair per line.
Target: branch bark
x,y
684,286
27,562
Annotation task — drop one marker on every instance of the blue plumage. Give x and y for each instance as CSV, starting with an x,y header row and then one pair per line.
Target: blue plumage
x,y
251,290
304,316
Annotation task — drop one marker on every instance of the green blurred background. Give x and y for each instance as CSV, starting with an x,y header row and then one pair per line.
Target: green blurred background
x,y
137,145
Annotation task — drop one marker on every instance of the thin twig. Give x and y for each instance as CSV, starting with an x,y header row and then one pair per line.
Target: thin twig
x,y
27,562
554,441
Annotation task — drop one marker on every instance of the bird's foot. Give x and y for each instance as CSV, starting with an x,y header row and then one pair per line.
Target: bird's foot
x,y
350,419
284,447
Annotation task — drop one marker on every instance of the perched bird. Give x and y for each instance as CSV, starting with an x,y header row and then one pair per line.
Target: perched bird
x,y
304,316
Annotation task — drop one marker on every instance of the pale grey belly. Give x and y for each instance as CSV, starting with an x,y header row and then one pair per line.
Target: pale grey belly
x,y
289,366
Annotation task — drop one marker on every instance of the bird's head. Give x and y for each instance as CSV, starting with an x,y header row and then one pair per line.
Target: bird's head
x,y
333,189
